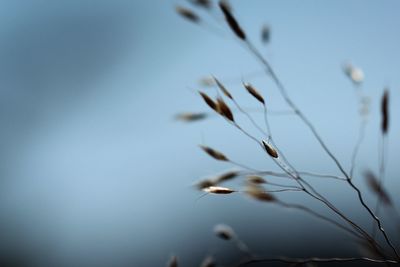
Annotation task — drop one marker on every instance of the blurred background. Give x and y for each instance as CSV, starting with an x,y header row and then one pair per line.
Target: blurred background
x,y
95,171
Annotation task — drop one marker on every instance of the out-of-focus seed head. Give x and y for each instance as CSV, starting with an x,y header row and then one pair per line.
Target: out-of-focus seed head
x,y
224,231
270,150
214,153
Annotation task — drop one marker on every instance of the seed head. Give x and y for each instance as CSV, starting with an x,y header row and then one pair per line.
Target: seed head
x,y
187,14
214,153
224,110
219,190
224,231
254,92
385,112
190,116
255,179
223,89
258,193
270,150
230,19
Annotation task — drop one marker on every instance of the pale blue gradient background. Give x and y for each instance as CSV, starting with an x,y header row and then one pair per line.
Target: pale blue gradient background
x,y
95,171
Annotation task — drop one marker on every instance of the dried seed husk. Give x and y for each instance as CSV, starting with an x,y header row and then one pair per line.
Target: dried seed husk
x,y
270,150
257,192
375,186
219,190
255,179
229,175
224,231
187,14
385,112
214,153
209,101
223,88
191,116
224,110
254,92
205,184
230,19
207,4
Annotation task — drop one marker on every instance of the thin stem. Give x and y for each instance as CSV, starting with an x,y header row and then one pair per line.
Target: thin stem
x,y
249,117
316,214
289,170
308,123
363,124
360,138
319,260
382,157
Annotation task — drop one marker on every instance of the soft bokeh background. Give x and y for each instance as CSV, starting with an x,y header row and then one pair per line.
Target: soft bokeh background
x,y
95,171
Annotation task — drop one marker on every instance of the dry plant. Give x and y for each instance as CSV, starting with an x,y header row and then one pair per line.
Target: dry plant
x,y
381,248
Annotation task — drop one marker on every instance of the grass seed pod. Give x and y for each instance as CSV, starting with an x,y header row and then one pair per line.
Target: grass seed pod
x,y
187,14
219,190
385,112
190,116
223,88
230,19
257,192
229,175
254,92
224,231
214,153
224,110
270,150
255,179
209,101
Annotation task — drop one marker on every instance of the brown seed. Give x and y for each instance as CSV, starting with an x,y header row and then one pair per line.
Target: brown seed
x,y
385,112
173,262
190,116
270,150
219,190
204,184
209,101
224,110
255,179
214,153
231,20
254,92
258,193
202,3
376,187
187,14
224,231
229,175
223,89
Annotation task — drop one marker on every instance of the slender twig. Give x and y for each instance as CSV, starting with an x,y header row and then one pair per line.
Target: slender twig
x,y
382,157
316,214
362,127
308,123
315,194
319,260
